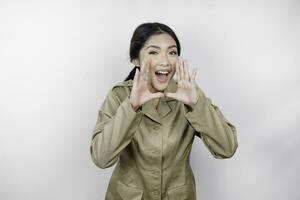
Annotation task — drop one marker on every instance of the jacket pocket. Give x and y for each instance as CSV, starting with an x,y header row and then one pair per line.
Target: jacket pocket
x,y
129,193
178,193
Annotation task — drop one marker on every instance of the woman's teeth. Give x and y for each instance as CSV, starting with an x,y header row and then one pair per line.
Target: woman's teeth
x,y
162,75
162,72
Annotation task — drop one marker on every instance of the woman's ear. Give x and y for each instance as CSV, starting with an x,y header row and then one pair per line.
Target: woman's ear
x,y
136,62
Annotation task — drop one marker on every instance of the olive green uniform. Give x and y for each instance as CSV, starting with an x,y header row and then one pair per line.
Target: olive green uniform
x,y
152,145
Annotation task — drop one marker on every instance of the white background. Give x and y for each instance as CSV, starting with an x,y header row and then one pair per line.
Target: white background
x,y
58,59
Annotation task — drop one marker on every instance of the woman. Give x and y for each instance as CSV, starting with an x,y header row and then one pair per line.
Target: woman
x,y
148,122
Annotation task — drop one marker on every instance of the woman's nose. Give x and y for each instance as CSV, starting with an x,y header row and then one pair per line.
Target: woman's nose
x,y
164,60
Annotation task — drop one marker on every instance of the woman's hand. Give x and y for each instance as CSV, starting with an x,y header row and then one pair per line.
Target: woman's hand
x,y
140,93
186,90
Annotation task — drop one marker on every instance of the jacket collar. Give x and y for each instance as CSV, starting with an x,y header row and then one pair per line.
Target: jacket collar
x,y
164,106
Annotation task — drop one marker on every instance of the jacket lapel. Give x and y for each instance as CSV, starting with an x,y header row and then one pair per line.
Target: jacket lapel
x,y
163,108
149,109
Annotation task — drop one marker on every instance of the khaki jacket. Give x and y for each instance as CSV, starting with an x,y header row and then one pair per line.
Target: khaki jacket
x,y
152,145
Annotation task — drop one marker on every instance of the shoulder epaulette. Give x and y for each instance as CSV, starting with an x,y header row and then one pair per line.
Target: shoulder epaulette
x,y
123,84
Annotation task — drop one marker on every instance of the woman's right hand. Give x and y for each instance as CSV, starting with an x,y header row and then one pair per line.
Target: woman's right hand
x,y
140,92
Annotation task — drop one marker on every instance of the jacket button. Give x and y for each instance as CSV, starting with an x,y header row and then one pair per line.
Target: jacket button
x,y
155,193
156,151
156,127
155,172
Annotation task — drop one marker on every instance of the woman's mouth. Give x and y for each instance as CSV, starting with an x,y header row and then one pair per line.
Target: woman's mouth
x,y
162,75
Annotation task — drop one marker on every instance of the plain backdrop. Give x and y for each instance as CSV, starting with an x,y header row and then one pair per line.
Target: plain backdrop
x,y
59,58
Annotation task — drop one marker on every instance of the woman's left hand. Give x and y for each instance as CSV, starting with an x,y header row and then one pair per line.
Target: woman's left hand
x,y
186,87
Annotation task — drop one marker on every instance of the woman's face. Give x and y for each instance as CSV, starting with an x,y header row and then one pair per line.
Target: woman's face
x,y
160,52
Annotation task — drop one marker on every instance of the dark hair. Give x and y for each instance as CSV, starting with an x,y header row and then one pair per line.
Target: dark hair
x,y
141,34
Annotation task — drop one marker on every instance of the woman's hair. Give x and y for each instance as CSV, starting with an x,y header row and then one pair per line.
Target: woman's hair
x,y
140,36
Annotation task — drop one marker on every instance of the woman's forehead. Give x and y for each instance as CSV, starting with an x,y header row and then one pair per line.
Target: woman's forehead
x,y
163,40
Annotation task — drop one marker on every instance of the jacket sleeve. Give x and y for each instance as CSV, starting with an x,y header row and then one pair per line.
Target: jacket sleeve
x,y
217,133
114,129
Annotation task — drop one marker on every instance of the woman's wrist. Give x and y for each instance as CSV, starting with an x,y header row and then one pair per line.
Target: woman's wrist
x,y
134,107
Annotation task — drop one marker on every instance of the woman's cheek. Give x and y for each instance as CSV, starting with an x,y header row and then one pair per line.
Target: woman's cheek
x,y
151,68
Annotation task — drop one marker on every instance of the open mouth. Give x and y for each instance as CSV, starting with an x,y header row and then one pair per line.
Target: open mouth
x,y
162,75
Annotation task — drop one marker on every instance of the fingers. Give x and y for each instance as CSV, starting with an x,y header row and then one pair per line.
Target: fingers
x,y
144,70
157,95
177,70
171,95
193,76
182,71
181,75
186,70
136,76
141,72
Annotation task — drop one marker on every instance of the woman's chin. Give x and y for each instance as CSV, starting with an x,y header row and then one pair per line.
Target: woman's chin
x,y
161,87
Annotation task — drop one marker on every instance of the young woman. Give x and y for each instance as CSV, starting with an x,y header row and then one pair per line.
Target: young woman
x,y
148,122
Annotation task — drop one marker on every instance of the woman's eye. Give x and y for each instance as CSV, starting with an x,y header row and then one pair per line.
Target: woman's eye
x,y
173,52
152,52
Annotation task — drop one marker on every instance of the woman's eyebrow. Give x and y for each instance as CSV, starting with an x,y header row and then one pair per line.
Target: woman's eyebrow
x,y
154,46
